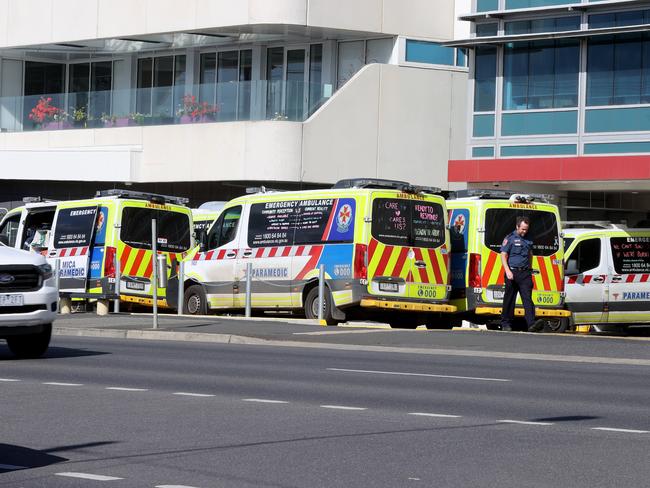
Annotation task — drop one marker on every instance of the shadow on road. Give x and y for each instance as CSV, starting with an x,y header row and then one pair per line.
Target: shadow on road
x,y
567,418
52,353
13,458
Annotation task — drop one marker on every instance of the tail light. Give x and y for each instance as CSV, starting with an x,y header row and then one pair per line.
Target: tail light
x,y
360,261
474,274
109,262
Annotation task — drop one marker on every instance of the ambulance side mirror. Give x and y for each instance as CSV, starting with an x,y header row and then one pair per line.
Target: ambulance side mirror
x,y
4,240
202,239
571,267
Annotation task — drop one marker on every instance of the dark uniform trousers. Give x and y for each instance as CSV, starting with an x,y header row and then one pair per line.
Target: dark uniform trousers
x,y
521,283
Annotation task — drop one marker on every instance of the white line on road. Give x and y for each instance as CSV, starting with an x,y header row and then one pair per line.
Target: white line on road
x,y
119,388
342,407
441,415
88,476
53,383
628,431
174,486
8,380
11,467
523,422
262,400
416,374
202,395
329,332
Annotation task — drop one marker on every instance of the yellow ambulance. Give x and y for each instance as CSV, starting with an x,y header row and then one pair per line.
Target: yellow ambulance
x,y
607,275
479,220
85,236
383,244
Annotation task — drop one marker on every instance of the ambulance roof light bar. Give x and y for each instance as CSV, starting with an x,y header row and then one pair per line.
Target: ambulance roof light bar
x,y
378,183
591,224
36,200
141,195
492,194
261,189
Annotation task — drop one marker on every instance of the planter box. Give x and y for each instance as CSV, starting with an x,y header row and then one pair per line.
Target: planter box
x,y
56,125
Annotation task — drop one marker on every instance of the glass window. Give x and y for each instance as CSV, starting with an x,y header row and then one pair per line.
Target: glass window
x,y
173,229
79,86
157,78
101,84
295,105
315,77
485,72
379,50
429,52
9,230
225,229
543,230
487,30
227,77
245,82
618,70
145,81
461,57
541,74
631,254
74,227
536,26
351,59
585,256
274,76
208,78
43,79
398,222
619,19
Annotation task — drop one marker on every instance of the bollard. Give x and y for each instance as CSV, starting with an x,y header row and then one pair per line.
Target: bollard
x,y
154,276
118,279
57,283
181,286
103,307
249,280
65,305
321,292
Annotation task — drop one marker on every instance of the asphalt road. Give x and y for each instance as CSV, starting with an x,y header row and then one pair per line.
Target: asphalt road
x,y
135,413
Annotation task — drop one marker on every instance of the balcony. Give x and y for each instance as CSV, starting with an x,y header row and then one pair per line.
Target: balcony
x,y
187,104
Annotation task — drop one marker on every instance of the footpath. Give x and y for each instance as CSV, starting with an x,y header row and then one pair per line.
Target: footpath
x,y
285,332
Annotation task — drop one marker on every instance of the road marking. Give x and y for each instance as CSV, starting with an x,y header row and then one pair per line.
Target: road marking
x,y
427,375
202,395
522,422
11,467
119,388
53,383
441,415
8,380
628,431
174,486
262,400
88,476
342,407
328,332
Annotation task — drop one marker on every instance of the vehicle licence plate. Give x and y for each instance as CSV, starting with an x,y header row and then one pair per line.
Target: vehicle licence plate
x,y
497,294
134,285
394,287
11,300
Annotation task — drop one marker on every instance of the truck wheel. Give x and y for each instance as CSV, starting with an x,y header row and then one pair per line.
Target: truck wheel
x,y
558,325
311,306
195,301
30,346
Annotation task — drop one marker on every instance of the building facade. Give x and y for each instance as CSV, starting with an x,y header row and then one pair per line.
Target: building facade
x,y
202,98
559,102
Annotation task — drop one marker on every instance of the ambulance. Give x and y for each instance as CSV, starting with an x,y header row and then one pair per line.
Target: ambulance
x,y
479,220
607,276
85,236
383,245
204,216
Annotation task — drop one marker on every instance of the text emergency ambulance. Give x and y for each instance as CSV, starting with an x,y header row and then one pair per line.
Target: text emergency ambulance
x,y
384,246
607,276
479,220
86,235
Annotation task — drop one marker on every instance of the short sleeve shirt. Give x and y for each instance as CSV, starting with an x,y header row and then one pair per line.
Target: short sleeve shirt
x,y
518,250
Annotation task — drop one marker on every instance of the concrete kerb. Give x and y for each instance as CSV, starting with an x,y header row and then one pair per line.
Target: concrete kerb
x,y
161,335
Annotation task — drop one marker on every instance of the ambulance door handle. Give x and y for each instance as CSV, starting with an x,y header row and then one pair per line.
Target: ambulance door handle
x,y
248,254
231,254
617,278
598,279
420,264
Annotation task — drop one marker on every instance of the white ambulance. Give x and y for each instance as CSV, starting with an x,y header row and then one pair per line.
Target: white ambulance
x,y
607,276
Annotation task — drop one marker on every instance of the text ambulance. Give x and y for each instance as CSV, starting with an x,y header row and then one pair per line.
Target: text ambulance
x,y
607,276
479,220
383,244
85,236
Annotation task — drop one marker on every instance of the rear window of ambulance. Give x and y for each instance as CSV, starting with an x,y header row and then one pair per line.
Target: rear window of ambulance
x,y
173,229
631,254
74,227
415,223
543,231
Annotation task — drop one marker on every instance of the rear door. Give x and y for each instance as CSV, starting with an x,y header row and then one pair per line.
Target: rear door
x,y
629,290
407,252
499,222
74,230
586,280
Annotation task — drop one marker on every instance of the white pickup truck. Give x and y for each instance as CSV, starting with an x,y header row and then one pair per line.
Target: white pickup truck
x,y
28,299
